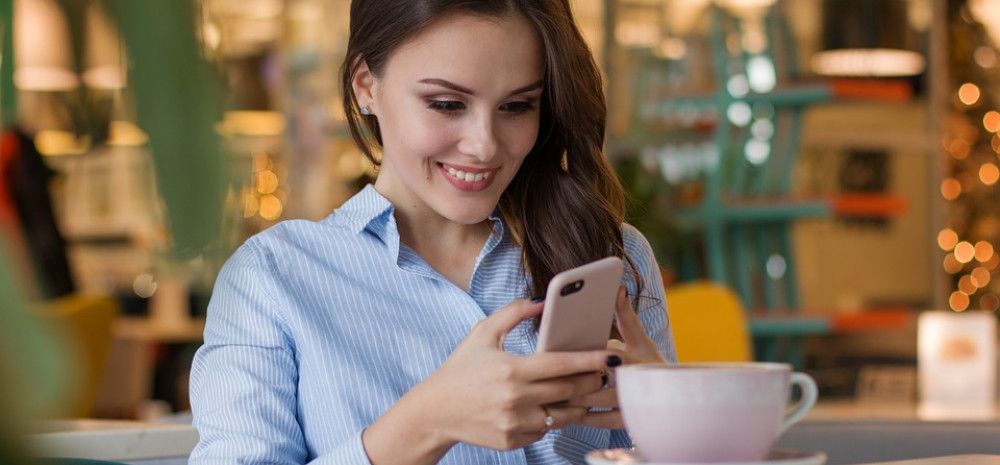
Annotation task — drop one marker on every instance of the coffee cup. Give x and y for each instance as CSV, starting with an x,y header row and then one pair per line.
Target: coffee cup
x,y
710,412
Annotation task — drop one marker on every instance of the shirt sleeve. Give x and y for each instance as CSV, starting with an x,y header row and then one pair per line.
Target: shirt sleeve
x,y
244,378
652,311
652,304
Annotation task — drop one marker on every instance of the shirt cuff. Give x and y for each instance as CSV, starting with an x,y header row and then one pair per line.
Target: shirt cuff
x,y
351,452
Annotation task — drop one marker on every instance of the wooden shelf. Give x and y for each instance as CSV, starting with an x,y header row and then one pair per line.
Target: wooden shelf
x,y
153,330
766,323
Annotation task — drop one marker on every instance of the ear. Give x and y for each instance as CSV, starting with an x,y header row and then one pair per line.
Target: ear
x,y
363,83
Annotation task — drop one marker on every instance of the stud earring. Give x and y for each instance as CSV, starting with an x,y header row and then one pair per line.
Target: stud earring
x,y
365,110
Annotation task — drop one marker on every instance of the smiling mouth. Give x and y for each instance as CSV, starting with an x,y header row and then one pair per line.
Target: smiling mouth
x,y
469,179
465,175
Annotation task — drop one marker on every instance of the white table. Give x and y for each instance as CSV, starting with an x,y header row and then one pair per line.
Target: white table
x,y
971,459
132,442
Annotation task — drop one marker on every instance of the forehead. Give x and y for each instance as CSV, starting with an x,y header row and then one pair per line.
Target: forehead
x,y
480,52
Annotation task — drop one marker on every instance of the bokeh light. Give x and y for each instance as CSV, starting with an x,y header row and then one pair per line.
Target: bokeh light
x,y
270,207
261,161
985,56
991,121
989,174
993,263
980,277
250,205
958,302
968,93
757,151
739,113
964,252
267,182
776,266
966,286
983,251
959,149
144,285
947,239
951,264
951,189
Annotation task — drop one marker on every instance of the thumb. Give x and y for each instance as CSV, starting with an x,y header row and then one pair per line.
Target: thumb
x,y
497,325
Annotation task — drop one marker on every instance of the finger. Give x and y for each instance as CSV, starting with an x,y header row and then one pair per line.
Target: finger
x,y
629,325
562,389
603,398
545,365
607,420
497,325
628,356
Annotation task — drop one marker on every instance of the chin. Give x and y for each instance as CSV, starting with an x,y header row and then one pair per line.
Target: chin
x,y
470,215
470,218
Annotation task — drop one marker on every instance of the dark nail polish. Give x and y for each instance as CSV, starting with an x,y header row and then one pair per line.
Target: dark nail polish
x,y
613,361
604,380
538,298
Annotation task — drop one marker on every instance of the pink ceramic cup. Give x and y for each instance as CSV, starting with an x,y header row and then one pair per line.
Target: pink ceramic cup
x,y
709,412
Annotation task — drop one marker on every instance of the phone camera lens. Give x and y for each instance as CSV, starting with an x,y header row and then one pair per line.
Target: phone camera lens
x,y
571,288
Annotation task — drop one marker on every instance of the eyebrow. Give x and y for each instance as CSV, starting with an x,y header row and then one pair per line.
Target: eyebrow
x,y
465,90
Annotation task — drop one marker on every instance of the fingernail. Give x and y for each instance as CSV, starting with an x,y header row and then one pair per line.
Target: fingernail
x,y
538,298
613,361
604,380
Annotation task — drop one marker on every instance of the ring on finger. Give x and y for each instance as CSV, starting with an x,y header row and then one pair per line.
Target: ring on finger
x,y
549,420
607,380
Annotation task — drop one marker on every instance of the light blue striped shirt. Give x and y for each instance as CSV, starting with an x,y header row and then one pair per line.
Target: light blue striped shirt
x,y
316,328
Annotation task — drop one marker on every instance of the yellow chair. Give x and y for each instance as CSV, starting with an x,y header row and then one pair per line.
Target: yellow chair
x,y
708,323
85,323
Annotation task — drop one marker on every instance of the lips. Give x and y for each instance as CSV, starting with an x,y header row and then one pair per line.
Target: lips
x,y
468,179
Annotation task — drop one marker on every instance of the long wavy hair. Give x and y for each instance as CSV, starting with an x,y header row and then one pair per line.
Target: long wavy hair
x,y
565,206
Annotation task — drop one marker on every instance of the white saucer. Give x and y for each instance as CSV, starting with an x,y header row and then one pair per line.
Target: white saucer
x,y
776,457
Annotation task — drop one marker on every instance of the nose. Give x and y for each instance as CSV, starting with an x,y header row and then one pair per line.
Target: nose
x,y
479,139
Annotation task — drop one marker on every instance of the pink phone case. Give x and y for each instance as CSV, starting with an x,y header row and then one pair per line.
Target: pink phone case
x,y
580,306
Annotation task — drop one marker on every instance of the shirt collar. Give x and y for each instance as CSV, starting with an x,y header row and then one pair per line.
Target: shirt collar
x,y
369,210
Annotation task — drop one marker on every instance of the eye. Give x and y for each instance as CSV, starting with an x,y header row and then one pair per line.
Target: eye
x,y
445,106
523,106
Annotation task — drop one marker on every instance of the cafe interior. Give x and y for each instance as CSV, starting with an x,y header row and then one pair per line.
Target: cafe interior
x,y
818,180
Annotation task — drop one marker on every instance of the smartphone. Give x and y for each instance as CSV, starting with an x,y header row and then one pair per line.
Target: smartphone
x,y
580,307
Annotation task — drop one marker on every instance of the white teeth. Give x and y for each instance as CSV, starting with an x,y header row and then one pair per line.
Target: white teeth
x,y
468,177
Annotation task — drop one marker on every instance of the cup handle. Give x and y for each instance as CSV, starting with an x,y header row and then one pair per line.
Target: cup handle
x,y
809,394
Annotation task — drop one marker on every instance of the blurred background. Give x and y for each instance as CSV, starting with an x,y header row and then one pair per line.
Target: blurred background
x,y
814,175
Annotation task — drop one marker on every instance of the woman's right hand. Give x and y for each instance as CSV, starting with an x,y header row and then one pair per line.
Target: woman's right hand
x,y
486,397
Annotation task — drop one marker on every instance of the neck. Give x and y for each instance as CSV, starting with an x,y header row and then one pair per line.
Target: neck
x,y
432,235
450,248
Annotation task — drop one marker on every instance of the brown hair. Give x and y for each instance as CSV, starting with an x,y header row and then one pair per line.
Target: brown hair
x,y
565,206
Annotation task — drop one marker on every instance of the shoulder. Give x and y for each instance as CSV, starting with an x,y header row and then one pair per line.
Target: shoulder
x,y
291,238
637,246
646,269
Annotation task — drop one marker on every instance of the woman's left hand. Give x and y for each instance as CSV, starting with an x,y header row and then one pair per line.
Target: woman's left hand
x,y
636,347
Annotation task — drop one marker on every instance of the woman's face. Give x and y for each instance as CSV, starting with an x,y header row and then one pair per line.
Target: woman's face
x,y
458,108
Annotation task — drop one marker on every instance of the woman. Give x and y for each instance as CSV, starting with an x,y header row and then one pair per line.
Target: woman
x,y
397,330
